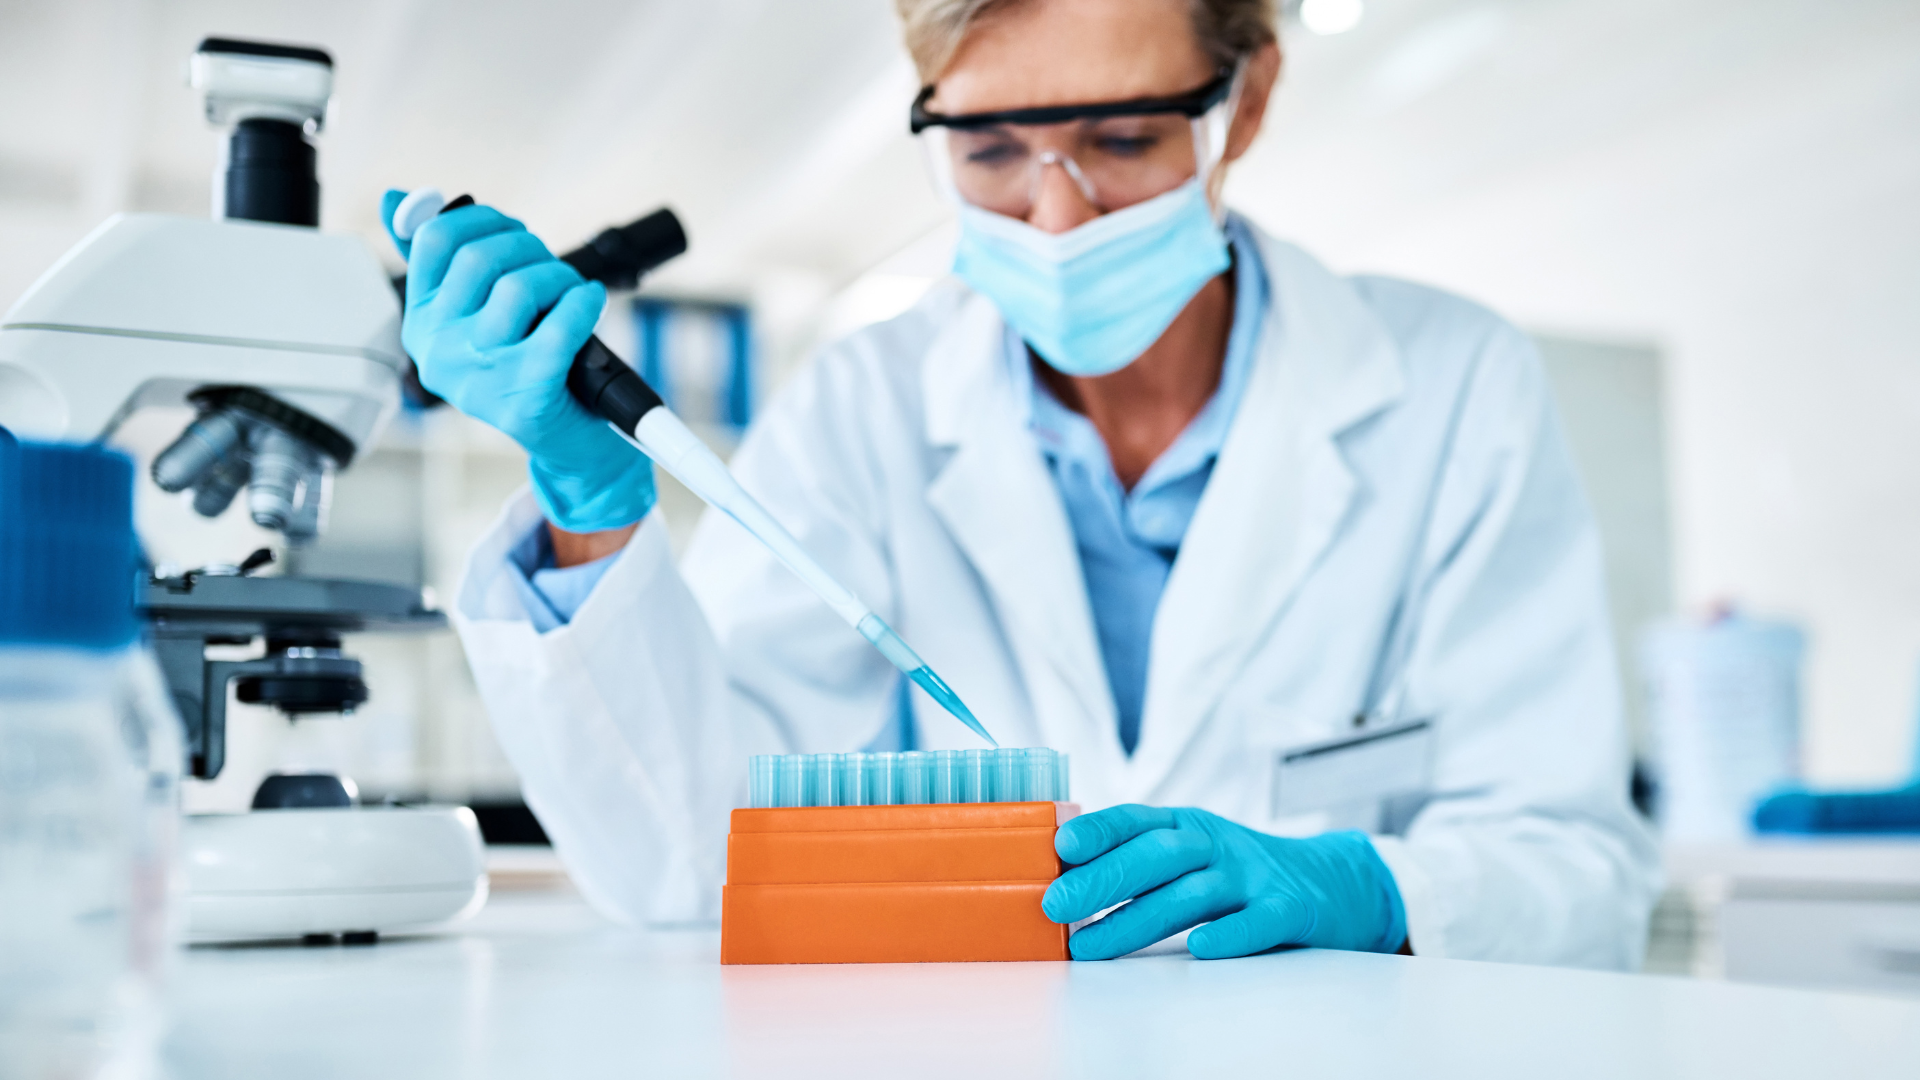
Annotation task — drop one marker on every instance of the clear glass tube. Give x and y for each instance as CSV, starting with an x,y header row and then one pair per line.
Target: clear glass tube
x,y
1061,792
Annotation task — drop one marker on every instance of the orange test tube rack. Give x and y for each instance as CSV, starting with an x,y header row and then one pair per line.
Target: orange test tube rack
x,y
919,883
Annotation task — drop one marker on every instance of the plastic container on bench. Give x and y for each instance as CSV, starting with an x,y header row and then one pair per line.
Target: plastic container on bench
x,y
895,858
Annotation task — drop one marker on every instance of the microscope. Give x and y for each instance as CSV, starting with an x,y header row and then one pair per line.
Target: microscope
x,y
285,341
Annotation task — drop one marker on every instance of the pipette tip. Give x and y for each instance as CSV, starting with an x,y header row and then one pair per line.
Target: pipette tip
x,y
937,689
875,630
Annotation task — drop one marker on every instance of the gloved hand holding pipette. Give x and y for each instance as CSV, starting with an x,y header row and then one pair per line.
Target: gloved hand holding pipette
x,y
477,284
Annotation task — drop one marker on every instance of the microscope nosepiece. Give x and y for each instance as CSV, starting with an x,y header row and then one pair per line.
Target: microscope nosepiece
x,y
218,485
281,464
193,456
243,438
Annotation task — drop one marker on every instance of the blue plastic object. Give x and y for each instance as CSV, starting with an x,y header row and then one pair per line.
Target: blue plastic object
x,y
1181,868
917,776
68,560
1807,812
493,321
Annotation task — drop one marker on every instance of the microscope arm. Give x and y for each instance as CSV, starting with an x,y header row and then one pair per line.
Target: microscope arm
x,y
199,688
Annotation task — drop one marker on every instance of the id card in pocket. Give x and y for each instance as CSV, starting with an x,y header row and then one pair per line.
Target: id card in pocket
x,y
1376,767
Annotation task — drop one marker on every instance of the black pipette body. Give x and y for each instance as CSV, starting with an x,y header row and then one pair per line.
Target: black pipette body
x,y
602,382
618,257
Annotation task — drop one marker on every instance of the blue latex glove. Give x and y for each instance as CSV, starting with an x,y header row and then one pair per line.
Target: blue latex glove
x,y
476,282
1182,868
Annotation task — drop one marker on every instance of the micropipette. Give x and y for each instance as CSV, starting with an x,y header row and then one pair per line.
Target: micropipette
x,y
609,388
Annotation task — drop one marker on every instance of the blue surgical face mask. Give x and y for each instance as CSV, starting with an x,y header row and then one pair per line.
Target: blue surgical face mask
x,y
1090,300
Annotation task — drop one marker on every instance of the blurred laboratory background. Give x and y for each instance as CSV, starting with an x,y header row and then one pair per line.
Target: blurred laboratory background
x,y
1708,213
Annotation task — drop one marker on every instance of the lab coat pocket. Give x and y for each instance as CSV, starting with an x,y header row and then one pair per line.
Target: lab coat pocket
x,y
1374,779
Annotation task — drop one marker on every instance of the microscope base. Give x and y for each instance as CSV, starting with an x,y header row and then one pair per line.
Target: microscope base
x,y
292,873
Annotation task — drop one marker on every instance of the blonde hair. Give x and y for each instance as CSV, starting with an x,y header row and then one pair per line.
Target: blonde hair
x,y
1226,29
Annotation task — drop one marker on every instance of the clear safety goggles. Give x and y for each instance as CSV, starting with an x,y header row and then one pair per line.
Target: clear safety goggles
x,y
1117,153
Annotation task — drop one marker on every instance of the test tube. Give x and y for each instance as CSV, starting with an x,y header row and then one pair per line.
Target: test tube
x,y
916,777
790,781
1038,767
854,770
824,779
883,779
948,785
760,786
976,784
1007,775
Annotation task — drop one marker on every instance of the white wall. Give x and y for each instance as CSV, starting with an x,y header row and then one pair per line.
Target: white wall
x,y
1612,405
1737,181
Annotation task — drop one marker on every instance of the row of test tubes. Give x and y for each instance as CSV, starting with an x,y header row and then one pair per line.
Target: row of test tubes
x,y
917,776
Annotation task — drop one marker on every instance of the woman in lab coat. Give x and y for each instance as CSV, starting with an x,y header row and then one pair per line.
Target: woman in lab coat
x,y
1283,551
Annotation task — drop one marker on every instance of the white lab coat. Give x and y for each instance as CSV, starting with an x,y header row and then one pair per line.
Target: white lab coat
x,y
1394,527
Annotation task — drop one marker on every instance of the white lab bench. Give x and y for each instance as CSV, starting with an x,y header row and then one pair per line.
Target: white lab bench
x,y
1822,912
538,986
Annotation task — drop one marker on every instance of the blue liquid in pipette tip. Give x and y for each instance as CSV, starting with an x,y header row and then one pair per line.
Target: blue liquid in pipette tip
x,y
937,689
899,655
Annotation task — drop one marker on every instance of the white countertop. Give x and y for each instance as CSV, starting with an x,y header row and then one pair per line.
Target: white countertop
x,y
1834,863
538,986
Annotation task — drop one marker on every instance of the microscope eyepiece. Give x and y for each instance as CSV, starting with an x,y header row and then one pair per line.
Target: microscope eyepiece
x,y
271,174
272,96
